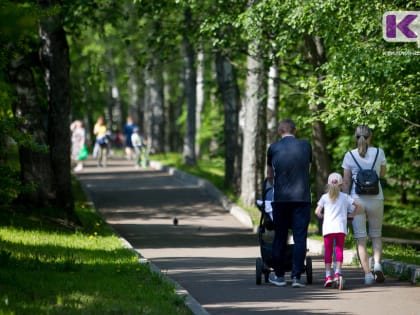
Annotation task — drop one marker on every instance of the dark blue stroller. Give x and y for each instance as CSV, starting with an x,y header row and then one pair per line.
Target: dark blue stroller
x,y
263,264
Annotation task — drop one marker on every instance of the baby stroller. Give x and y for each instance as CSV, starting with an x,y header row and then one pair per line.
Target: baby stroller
x,y
263,264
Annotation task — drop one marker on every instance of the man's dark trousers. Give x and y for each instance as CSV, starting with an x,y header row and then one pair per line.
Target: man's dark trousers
x,y
294,215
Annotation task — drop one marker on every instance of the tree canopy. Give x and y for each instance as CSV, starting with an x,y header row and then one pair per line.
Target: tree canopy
x,y
333,70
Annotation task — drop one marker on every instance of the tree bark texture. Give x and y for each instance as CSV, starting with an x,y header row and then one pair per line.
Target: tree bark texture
x,y
273,102
176,97
229,90
114,115
321,158
200,97
191,82
35,166
55,59
154,111
254,99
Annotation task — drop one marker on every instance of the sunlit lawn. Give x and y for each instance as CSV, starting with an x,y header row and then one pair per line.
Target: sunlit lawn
x,y
47,269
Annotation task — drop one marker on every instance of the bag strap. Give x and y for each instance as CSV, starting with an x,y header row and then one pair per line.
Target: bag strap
x,y
374,162
376,156
360,168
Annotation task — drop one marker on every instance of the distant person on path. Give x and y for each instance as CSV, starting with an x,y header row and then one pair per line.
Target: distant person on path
x,y
128,131
334,207
288,165
101,144
373,205
78,136
136,140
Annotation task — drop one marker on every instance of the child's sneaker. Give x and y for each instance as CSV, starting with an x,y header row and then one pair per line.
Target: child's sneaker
x,y
328,282
337,276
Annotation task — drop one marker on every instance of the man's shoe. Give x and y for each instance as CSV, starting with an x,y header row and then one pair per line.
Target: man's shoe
x,y
278,281
297,283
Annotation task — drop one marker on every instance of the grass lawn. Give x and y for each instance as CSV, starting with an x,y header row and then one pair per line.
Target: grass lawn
x,y
48,267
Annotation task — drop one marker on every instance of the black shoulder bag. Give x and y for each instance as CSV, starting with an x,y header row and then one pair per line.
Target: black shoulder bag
x,y
367,180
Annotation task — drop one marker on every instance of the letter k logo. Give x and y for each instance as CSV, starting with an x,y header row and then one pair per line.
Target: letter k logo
x,y
401,26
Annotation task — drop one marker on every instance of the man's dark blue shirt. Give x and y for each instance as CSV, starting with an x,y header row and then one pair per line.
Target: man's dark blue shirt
x,y
291,159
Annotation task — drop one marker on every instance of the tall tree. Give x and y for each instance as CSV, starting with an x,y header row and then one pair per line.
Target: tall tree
x,y
317,57
200,96
229,90
191,89
253,104
35,166
273,100
55,61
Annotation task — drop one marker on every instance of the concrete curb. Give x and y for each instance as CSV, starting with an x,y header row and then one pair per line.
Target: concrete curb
x,y
190,302
315,247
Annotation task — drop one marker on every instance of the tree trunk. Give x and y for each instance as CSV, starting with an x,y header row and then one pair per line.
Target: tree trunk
x,y
35,166
228,86
115,111
273,101
321,158
133,88
154,120
191,80
253,103
55,59
200,97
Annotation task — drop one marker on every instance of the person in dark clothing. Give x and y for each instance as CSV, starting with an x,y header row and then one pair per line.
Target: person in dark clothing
x,y
288,167
128,131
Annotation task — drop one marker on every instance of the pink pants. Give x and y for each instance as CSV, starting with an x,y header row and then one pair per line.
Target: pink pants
x,y
329,244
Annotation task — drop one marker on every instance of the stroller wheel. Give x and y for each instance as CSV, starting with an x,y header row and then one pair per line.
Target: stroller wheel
x,y
258,270
266,275
309,270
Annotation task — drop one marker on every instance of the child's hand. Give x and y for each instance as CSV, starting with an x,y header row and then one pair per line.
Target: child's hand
x,y
318,212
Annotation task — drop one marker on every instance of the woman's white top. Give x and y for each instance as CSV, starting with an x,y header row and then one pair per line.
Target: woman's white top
x,y
366,163
335,213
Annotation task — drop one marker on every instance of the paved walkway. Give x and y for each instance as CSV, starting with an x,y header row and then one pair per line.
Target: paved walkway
x,y
212,255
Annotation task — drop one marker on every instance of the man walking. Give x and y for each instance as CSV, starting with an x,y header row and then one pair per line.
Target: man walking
x,y
288,166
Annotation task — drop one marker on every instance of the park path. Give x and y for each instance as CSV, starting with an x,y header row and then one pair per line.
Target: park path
x,y
212,255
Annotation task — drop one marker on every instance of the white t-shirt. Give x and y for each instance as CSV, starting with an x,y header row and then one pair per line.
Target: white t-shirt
x,y
335,213
366,163
136,140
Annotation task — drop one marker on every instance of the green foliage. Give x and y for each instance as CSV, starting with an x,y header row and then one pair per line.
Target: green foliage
x,y
404,218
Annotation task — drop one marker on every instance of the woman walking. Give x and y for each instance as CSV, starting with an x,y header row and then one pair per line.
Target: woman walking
x,y
365,156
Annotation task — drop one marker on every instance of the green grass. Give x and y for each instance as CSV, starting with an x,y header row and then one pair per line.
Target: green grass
x,y
47,267
400,221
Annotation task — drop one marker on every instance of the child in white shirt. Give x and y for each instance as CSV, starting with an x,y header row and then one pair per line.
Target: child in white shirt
x,y
137,142
337,207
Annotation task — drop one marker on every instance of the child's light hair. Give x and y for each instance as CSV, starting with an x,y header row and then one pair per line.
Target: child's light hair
x,y
333,188
333,191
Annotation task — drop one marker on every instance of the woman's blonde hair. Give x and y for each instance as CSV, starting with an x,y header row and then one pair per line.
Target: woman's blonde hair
x,y
363,136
